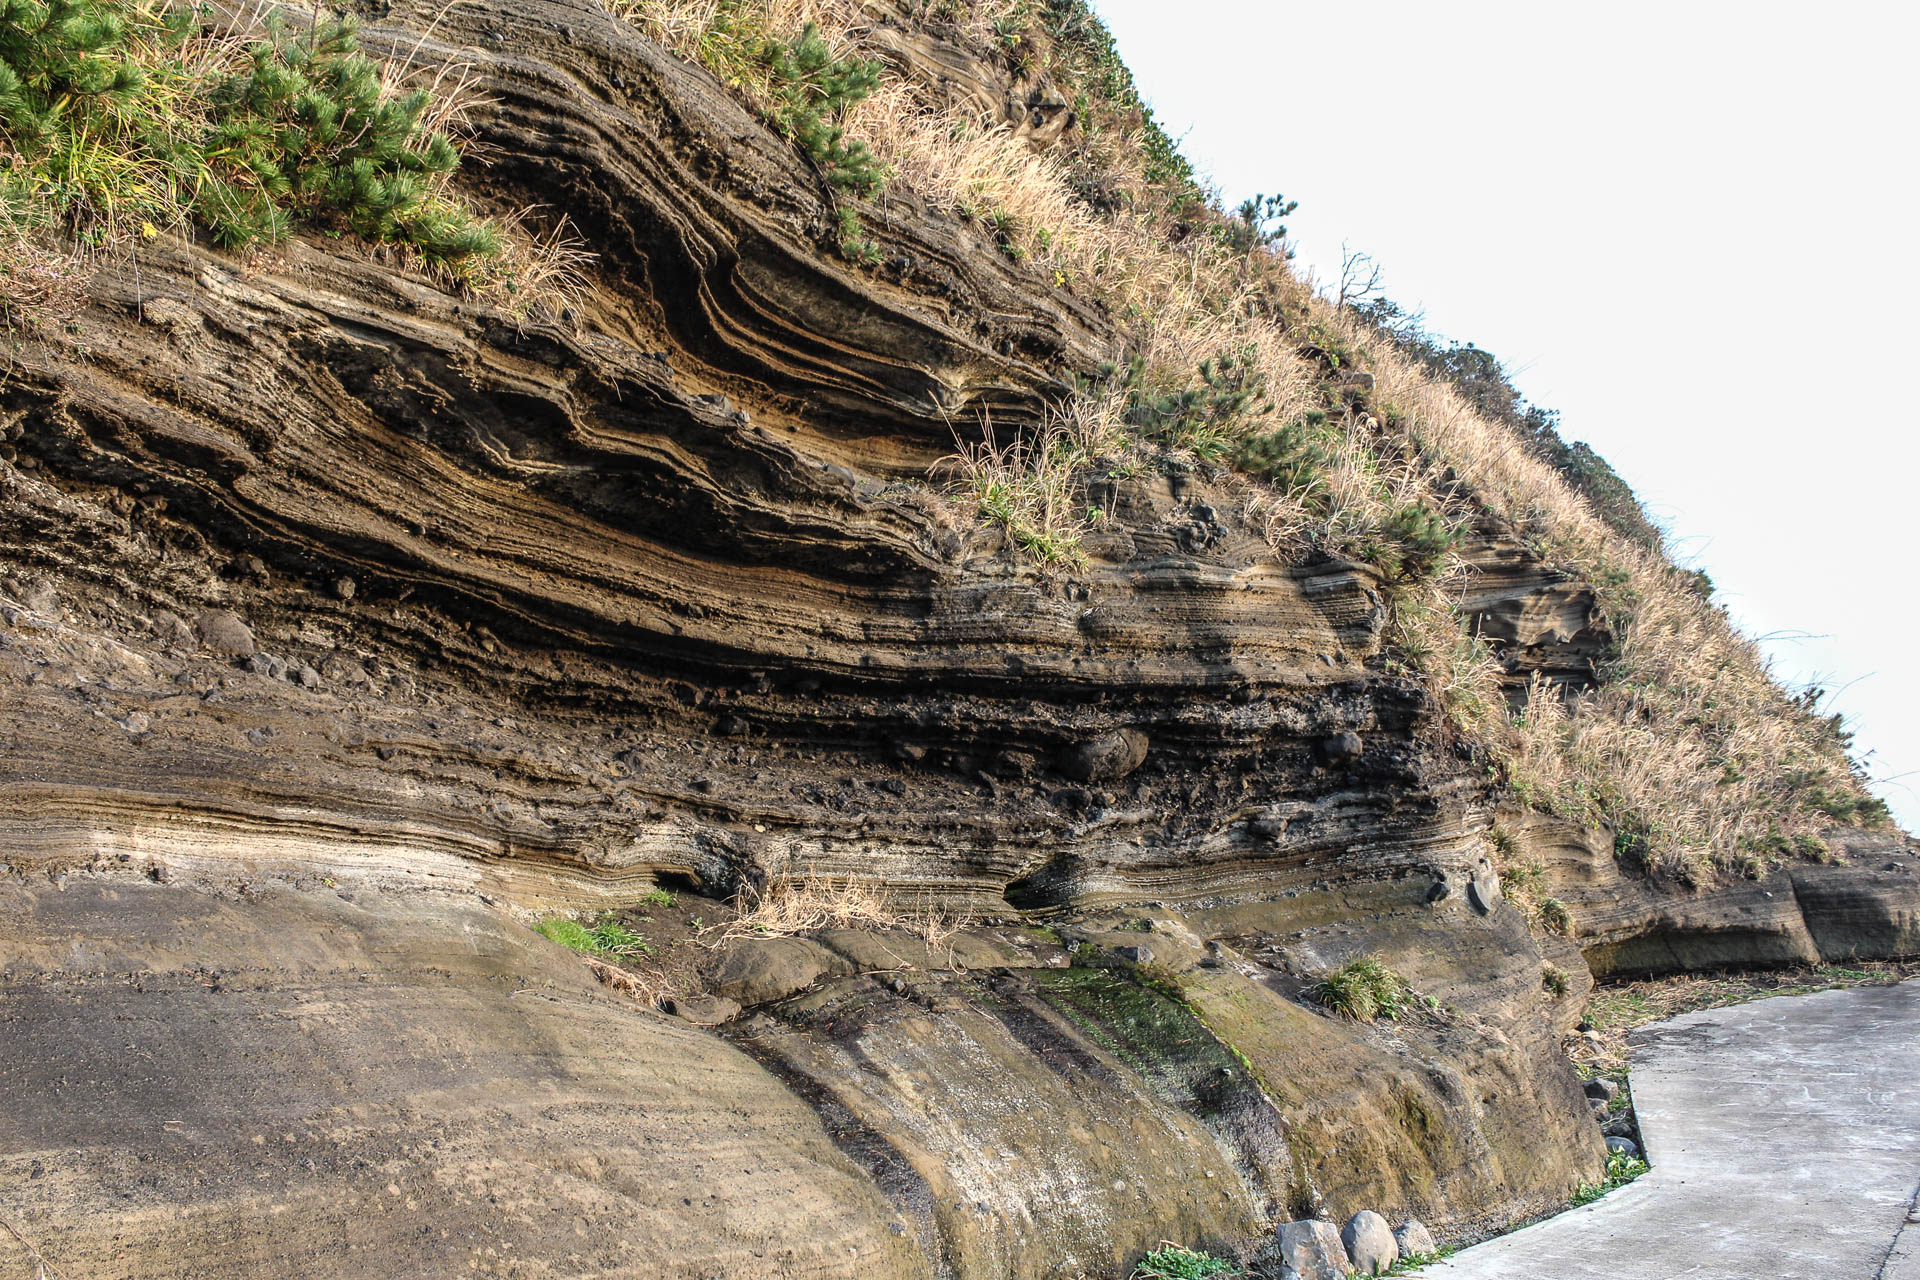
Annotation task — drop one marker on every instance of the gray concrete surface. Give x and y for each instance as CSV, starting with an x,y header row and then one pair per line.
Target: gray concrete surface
x,y
1785,1141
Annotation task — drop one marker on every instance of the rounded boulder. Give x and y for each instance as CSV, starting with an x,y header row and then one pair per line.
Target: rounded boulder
x,y
1369,1242
1413,1239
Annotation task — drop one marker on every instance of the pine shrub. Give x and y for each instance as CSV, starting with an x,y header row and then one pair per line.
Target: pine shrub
x,y
127,120
308,134
812,92
1413,540
1292,457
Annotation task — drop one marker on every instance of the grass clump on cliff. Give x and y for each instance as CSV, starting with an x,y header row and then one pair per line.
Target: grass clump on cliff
x,y
606,938
1364,990
1027,487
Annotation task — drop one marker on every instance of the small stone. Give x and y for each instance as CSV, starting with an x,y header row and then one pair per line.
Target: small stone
x,y
222,631
1601,1089
171,629
343,588
1134,955
1269,826
1073,799
41,597
266,664
306,677
1011,764
1622,1146
730,727
1413,1239
1369,1243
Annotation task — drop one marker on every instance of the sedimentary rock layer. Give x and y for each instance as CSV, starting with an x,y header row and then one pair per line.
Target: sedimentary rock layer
x,y
345,622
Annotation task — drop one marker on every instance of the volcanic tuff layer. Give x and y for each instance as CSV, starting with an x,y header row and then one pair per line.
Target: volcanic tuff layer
x,y
346,623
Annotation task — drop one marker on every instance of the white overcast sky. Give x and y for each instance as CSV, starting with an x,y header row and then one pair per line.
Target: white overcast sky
x,y
1690,227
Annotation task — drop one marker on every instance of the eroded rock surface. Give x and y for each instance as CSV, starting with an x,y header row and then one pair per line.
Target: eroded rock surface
x,y
345,624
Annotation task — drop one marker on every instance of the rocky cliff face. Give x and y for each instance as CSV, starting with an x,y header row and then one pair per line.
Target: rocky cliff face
x,y
348,625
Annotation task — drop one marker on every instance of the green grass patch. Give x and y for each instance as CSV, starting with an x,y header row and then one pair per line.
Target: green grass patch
x,y
1413,1262
1621,1169
606,938
1364,990
1173,1262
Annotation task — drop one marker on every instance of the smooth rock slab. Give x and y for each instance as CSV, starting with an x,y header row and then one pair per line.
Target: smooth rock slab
x,y
1785,1141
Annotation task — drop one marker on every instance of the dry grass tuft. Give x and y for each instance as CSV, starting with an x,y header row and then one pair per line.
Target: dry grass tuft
x,y
537,274
646,987
792,906
40,286
813,902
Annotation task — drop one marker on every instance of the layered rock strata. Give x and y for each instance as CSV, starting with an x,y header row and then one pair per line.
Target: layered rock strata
x,y
348,625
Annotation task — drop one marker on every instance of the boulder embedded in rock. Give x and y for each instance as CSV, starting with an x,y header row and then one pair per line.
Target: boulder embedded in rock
x,y
1483,890
1108,756
222,631
1305,1250
1341,749
1413,1240
760,970
702,1011
1369,1243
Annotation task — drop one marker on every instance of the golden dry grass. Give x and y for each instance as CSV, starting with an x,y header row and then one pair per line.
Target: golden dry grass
x,y
1688,744
800,904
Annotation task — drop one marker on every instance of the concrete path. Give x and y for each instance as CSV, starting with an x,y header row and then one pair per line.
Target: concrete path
x,y
1785,1141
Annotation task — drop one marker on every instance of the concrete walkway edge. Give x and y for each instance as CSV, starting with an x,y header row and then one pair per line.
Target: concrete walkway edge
x,y
1785,1141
